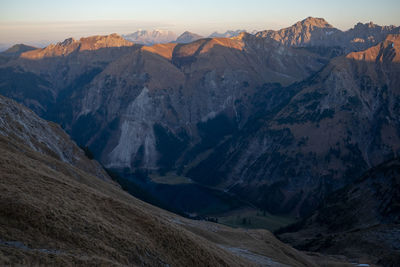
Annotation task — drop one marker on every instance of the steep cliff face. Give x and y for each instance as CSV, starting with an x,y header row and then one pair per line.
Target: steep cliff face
x,y
308,32
179,88
342,121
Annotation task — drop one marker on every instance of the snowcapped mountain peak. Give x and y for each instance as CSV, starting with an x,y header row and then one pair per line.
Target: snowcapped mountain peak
x,y
150,37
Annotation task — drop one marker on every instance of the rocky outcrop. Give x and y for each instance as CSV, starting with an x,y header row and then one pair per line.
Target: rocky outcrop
x,y
308,32
316,33
70,45
363,36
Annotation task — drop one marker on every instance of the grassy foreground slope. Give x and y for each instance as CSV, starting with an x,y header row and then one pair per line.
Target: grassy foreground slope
x,y
53,213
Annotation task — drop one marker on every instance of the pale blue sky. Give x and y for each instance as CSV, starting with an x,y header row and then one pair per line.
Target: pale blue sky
x,y
52,20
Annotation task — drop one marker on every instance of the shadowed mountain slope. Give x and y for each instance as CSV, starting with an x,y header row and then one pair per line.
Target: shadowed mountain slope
x,y
360,220
24,126
14,52
53,213
141,87
188,37
339,123
281,124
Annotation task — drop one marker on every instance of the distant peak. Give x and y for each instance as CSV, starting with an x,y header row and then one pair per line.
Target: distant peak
x,y
115,35
188,37
103,41
227,34
110,37
242,35
151,37
162,30
190,33
85,43
316,22
67,41
18,49
361,26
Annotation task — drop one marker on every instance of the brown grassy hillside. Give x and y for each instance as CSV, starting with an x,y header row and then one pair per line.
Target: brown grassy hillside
x,y
59,214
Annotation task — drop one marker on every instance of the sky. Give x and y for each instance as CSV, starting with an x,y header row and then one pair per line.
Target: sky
x,y
40,22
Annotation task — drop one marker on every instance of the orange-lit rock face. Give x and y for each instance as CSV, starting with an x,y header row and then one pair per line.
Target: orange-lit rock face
x,y
310,30
204,46
164,50
70,45
52,50
97,42
224,42
387,51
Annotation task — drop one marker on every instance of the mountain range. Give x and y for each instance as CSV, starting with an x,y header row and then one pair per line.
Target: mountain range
x,y
337,124
278,119
164,36
316,32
